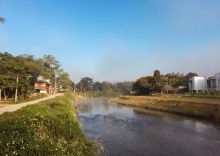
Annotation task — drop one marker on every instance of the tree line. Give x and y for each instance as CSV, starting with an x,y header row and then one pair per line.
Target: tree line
x,y
18,74
158,83
87,84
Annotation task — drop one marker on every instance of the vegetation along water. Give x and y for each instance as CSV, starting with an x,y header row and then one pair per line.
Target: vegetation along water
x,y
200,107
47,128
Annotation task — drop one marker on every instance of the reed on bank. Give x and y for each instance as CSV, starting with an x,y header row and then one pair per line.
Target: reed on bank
x,y
47,128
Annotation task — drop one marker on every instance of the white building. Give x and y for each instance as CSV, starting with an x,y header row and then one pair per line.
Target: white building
x,y
205,83
217,81
196,83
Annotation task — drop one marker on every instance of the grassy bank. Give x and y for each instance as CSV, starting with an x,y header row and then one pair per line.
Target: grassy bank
x,y
47,128
206,108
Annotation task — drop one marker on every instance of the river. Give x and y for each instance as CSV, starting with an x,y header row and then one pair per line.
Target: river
x,y
127,131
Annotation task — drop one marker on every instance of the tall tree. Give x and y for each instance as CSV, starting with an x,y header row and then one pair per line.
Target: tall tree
x,y
157,81
97,86
18,73
123,87
63,80
6,83
106,86
85,84
143,85
52,66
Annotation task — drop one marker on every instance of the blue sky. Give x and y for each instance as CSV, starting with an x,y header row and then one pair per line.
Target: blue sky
x,y
116,40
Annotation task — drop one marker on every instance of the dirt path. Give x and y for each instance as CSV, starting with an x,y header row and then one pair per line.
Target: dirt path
x,y
14,107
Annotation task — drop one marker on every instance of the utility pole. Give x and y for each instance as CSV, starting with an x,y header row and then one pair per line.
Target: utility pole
x,y
16,90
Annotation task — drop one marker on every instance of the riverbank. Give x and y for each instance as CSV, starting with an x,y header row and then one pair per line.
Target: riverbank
x,y
46,128
205,108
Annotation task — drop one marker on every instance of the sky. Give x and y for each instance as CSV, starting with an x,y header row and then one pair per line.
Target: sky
x,y
116,40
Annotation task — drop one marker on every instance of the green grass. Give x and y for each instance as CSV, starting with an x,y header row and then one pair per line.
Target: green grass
x,y
47,128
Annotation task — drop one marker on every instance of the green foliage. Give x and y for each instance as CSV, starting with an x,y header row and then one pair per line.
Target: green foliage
x,y
143,85
47,128
97,86
63,80
106,86
85,84
123,88
26,69
158,83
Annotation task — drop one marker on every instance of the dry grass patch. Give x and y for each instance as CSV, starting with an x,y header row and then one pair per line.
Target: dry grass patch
x,y
207,108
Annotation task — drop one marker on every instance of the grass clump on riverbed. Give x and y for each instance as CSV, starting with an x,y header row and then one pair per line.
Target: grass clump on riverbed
x,y
47,128
196,107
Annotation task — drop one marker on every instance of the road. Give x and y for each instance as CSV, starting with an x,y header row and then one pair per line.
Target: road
x,y
14,107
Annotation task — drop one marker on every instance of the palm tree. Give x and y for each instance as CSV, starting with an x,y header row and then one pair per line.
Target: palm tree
x,y
2,20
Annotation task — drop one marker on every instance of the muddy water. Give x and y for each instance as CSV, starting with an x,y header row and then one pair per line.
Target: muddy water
x,y
127,131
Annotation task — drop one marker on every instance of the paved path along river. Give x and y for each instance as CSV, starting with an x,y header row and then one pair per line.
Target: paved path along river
x,y
14,107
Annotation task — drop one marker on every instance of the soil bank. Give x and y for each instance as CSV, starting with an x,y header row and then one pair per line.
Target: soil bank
x,y
205,108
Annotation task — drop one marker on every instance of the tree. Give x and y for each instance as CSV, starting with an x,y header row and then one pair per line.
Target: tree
x,y
97,86
2,20
123,87
157,81
52,66
106,86
85,84
162,83
63,80
174,79
18,74
13,69
143,85
5,79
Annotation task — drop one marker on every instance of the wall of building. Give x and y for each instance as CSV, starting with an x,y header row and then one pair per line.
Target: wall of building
x,y
205,83
196,83
217,81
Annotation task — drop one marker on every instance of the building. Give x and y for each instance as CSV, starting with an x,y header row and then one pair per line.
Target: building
x,y
196,83
207,83
42,85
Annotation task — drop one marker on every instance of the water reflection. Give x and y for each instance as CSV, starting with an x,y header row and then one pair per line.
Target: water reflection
x,y
131,131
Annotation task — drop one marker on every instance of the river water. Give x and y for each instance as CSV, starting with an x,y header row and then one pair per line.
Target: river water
x,y
127,131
